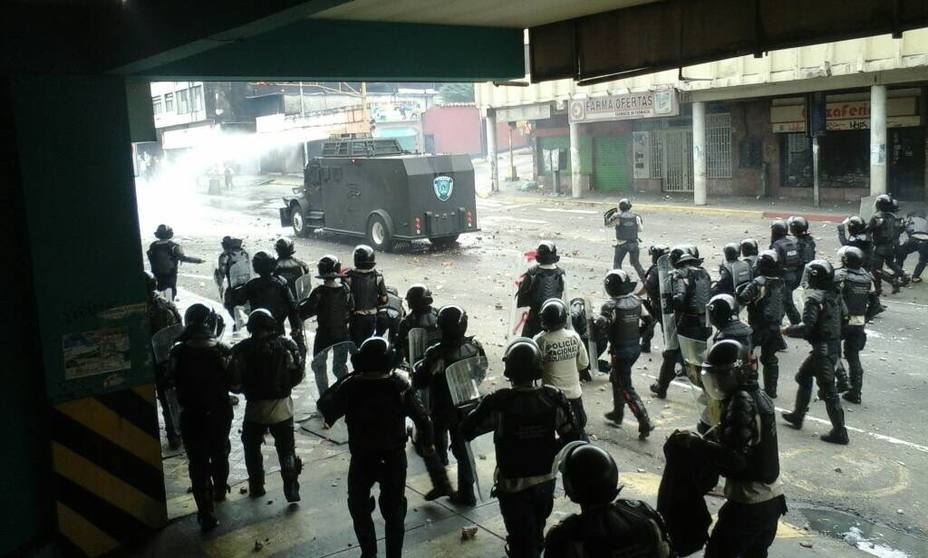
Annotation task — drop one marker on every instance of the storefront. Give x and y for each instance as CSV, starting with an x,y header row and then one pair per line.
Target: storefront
x,y
845,148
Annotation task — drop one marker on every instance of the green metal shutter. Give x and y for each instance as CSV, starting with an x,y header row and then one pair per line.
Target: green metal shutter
x,y
611,171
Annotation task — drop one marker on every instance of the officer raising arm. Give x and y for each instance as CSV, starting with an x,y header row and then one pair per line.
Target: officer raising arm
x,y
375,403
540,283
627,228
165,256
530,423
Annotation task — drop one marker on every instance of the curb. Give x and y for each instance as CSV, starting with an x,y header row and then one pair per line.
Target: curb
x,y
822,217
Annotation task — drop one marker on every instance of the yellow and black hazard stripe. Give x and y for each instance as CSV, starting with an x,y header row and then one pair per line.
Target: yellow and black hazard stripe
x,y
109,481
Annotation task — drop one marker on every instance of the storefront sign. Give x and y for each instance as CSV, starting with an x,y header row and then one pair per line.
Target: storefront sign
x,y
641,152
541,111
901,112
631,106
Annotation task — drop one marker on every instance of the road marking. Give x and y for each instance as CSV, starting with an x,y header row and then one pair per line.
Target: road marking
x,y
875,435
559,210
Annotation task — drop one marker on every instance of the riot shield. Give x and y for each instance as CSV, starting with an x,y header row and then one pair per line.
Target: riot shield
x,y
303,286
581,319
693,352
163,340
519,314
463,377
669,322
239,272
418,340
334,358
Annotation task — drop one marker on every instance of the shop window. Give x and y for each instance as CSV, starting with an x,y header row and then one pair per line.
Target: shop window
x,y
845,159
718,145
168,102
797,164
156,104
751,154
183,101
196,98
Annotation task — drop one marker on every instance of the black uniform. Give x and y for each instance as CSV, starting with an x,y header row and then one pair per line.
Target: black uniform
x,y
291,269
271,293
163,313
856,287
821,327
865,245
538,285
620,318
332,304
789,256
885,230
426,319
764,298
916,229
732,276
806,246
652,289
627,228
530,424
622,528
735,330
368,292
691,290
375,407
199,367
265,369
165,256
430,374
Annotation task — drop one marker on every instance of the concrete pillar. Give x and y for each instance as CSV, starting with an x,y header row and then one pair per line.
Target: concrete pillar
x,y
491,150
699,153
877,140
576,186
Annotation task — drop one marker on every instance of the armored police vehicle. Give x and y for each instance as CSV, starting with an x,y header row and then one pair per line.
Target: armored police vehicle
x,y
369,187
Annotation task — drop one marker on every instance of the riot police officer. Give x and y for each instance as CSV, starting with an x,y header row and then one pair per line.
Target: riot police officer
x,y
162,313
165,256
723,313
289,267
331,303
621,318
429,374
540,283
853,232
652,300
270,292
368,291
856,287
199,367
265,368
690,293
799,228
233,268
764,297
749,251
745,453
821,327
529,423
606,525
790,263
422,315
885,230
733,273
916,229
375,402
627,228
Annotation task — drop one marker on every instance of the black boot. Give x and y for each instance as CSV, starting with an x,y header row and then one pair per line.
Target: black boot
x,y
290,475
617,414
857,380
644,422
464,496
441,486
659,391
206,511
838,434
256,485
841,381
771,376
794,418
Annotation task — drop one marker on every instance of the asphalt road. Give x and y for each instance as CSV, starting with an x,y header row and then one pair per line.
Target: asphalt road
x,y
879,483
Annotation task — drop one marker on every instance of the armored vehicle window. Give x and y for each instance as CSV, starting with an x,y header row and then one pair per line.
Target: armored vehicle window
x,y
314,175
329,149
386,147
360,148
342,149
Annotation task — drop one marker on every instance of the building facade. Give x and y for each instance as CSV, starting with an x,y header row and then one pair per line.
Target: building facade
x,y
751,119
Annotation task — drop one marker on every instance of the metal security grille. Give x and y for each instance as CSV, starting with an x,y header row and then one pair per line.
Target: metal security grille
x,y
678,160
657,154
718,146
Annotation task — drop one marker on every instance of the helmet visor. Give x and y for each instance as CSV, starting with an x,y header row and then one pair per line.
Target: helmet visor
x,y
718,381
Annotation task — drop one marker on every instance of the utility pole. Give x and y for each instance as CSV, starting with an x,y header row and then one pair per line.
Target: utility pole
x,y
364,112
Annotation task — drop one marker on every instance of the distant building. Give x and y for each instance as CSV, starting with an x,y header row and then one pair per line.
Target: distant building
x,y
458,129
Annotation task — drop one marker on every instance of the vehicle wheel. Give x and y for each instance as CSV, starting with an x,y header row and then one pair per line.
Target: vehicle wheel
x,y
298,220
379,233
444,242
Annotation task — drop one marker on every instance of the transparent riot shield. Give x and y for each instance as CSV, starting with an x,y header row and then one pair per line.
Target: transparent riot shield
x,y
239,272
866,208
581,319
335,358
463,377
693,352
664,270
418,340
303,286
163,340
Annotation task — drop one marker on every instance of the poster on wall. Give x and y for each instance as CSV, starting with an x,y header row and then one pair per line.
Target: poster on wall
x,y
641,152
89,353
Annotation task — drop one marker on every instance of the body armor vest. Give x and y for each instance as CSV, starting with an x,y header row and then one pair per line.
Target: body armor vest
x,y
700,291
769,310
291,269
270,293
266,374
883,228
525,440
627,228
740,272
828,327
855,290
789,253
806,245
200,377
736,330
333,311
755,414
162,258
625,316
365,289
546,283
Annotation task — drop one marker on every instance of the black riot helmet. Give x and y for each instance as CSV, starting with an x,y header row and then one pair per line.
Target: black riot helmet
x,y
722,309
748,247
164,232
329,267
419,297
624,204
798,225
553,314
723,371
151,284
364,257
820,273
261,321
452,322
263,263
681,255
657,250
547,253
851,257
855,225
618,283
778,230
731,252
590,476
284,247
375,355
768,264
523,361
203,320
226,242
692,250
883,202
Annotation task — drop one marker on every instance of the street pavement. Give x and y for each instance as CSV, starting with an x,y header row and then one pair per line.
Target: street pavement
x,y
865,498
